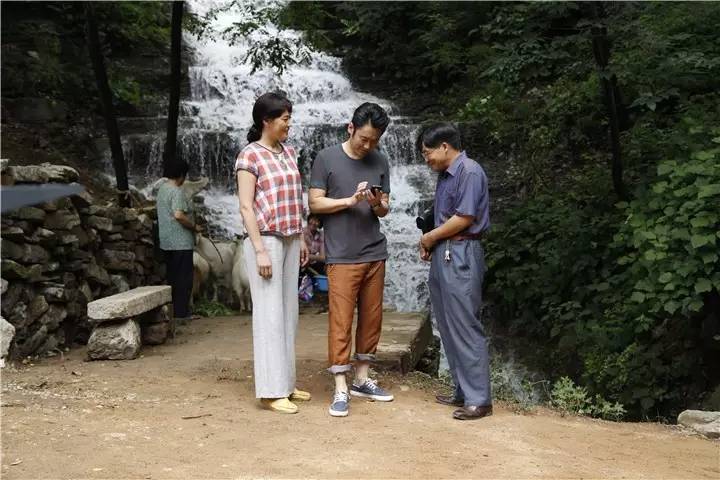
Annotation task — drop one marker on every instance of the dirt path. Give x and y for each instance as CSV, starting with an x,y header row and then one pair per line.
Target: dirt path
x,y
65,418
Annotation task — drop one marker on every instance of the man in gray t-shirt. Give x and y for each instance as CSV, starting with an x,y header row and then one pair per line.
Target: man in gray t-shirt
x,y
350,189
352,235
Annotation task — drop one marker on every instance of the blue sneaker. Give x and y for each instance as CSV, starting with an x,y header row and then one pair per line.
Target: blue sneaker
x,y
370,389
340,405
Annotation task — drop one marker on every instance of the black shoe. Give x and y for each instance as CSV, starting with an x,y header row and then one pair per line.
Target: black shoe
x,y
472,412
449,400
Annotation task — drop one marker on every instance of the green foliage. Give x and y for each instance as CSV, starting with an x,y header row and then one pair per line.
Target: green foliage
x,y
572,399
209,308
670,235
126,90
615,289
45,51
131,24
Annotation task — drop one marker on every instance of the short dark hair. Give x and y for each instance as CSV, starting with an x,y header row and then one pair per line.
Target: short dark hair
x,y
371,113
177,169
434,134
267,107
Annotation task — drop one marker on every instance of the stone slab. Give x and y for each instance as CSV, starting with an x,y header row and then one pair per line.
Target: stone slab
x,y
129,304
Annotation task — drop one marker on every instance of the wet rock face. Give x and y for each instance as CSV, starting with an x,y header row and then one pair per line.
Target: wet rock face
x,y
58,256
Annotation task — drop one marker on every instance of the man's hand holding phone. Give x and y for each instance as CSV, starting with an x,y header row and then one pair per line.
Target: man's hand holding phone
x,y
374,195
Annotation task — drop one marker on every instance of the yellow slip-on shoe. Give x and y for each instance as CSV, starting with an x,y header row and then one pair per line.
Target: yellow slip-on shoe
x,y
281,405
300,395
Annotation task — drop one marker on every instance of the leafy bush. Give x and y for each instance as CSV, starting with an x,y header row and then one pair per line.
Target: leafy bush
x,y
570,398
613,291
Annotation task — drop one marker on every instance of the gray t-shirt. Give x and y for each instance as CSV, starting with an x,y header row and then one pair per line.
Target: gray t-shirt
x,y
352,235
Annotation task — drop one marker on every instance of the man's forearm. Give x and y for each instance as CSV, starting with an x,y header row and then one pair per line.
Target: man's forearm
x,y
452,227
325,205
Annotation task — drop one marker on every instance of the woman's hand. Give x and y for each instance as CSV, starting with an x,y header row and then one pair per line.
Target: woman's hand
x,y
263,264
304,254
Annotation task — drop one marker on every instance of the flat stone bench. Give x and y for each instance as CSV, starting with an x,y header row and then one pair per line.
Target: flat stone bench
x,y
129,304
125,321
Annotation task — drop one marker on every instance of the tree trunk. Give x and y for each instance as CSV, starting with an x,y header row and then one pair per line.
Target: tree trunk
x,y
608,81
113,133
170,154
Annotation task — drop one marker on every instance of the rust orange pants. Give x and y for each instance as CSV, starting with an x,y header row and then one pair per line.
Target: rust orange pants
x,y
351,285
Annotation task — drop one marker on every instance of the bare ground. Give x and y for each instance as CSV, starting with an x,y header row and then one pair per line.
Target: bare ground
x,y
66,418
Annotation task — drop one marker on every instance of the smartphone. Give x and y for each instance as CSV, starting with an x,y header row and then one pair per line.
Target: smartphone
x,y
375,189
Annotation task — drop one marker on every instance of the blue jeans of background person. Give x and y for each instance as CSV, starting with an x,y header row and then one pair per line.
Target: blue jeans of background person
x,y
456,296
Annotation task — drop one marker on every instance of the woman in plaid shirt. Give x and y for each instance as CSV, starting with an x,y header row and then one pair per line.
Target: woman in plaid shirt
x,y
271,205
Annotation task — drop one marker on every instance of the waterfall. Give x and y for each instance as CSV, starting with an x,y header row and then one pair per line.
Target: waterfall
x,y
216,117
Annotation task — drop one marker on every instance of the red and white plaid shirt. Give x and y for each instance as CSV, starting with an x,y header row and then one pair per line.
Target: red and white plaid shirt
x,y
278,189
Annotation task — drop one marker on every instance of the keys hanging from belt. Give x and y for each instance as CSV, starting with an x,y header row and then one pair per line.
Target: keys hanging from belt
x,y
447,251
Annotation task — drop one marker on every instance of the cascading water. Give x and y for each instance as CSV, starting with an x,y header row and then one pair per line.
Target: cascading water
x,y
218,113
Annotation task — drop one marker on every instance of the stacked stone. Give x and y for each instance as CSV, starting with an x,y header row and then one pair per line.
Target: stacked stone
x,y
125,321
60,255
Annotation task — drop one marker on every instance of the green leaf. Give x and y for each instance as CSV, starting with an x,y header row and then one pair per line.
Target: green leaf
x,y
709,257
638,297
665,277
708,190
671,306
705,155
660,187
698,222
703,285
695,305
601,287
698,241
665,168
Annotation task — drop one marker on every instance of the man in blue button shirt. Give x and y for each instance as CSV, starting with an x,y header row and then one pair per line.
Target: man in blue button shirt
x,y
458,267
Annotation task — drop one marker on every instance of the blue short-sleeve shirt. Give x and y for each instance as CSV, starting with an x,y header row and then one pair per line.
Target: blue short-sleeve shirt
x,y
462,189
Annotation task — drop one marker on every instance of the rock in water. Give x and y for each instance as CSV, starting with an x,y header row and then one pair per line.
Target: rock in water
x,y
706,423
115,341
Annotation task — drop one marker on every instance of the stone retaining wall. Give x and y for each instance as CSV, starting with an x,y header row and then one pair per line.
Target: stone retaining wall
x,y
60,255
